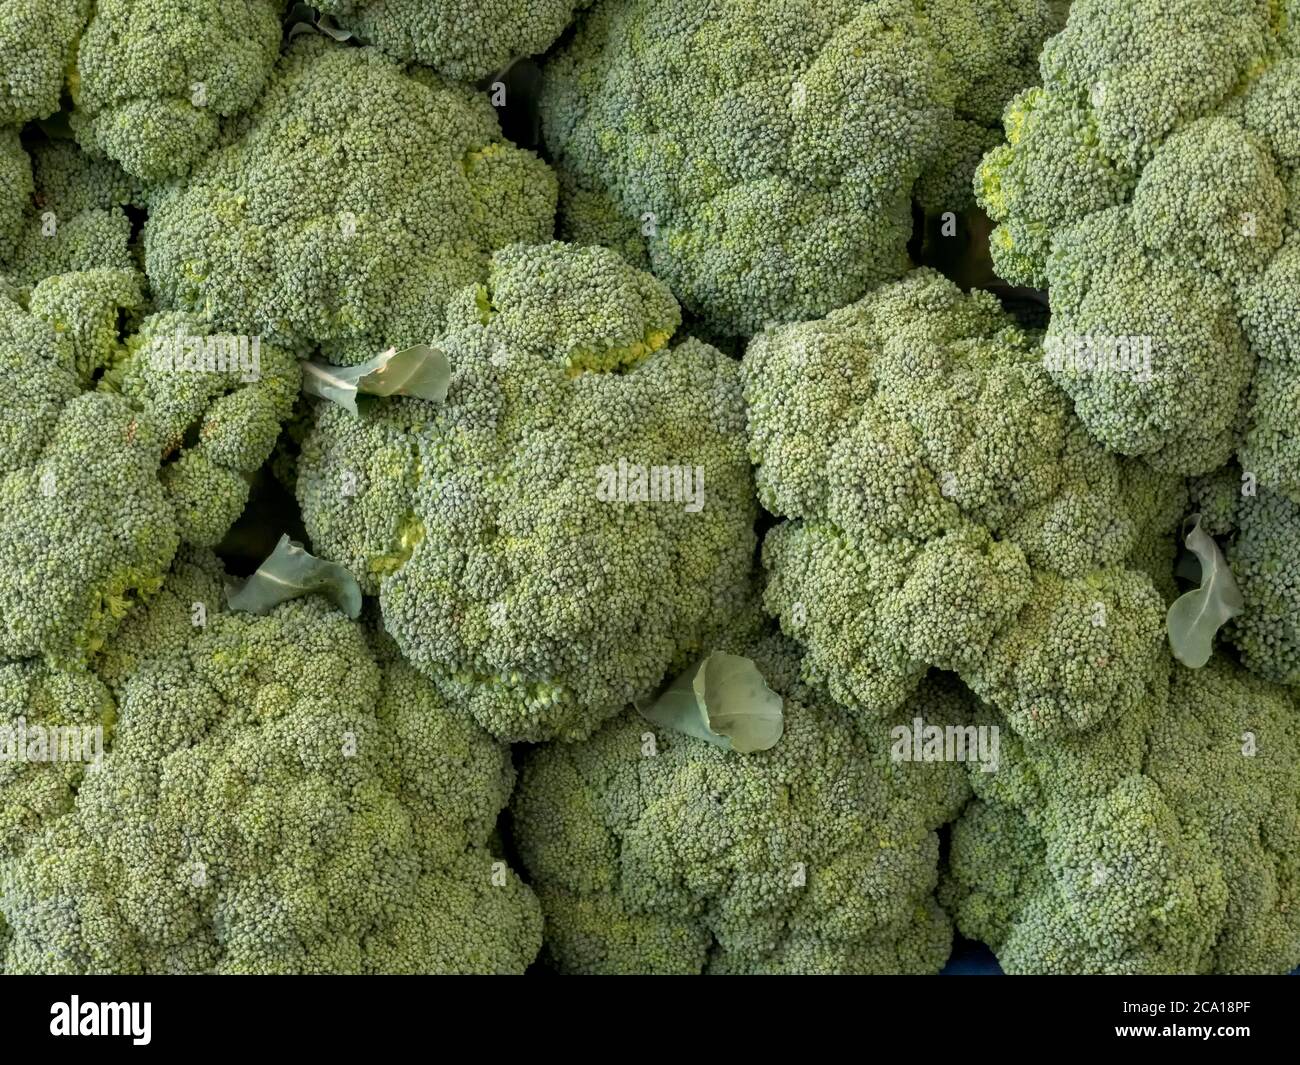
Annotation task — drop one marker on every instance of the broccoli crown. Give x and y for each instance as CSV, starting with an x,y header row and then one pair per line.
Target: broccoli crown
x,y
218,425
945,509
53,727
1260,533
193,589
16,185
155,78
112,455
462,39
1169,843
1265,558
1151,183
38,40
281,232
520,558
768,152
656,852
36,790
281,796
85,525
1157,502
76,220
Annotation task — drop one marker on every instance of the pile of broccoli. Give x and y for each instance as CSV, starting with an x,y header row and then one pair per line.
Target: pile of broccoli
x,y
495,487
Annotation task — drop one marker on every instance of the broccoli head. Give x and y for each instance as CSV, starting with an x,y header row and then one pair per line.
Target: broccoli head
x,y
657,852
77,219
16,186
1151,184
283,795
1168,843
54,725
155,78
762,156
945,509
346,208
112,455
1260,533
576,516
462,39
39,784
38,42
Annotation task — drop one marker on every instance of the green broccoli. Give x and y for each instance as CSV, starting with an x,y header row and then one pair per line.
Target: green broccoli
x,y
946,509
762,156
514,561
38,41
1150,184
77,220
34,791
156,78
54,725
1260,532
1169,843
281,796
462,39
1157,503
16,186
656,852
346,208
113,454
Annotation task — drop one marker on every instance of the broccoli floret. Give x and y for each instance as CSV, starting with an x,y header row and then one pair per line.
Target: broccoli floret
x,y
1265,558
768,153
38,40
36,790
346,208
514,561
1166,844
1157,503
945,509
280,798
77,219
1177,399
85,525
16,186
194,590
462,39
1271,446
54,726
656,852
1150,183
112,456
1260,533
1117,82
69,180
156,78
217,427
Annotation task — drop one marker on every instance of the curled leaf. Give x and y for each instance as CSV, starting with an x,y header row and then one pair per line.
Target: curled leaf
x,y
420,371
724,700
1197,616
291,571
303,18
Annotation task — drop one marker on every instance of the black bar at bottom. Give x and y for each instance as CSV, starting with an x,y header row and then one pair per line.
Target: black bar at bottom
x,y
1063,1014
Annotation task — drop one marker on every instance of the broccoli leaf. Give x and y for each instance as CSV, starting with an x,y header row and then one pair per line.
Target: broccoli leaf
x,y
291,571
421,371
723,700
304,18
1196,617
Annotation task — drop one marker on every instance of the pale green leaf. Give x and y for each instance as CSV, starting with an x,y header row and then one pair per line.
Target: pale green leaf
x,y
420,371
289,572
303,18
724,700
1196,617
